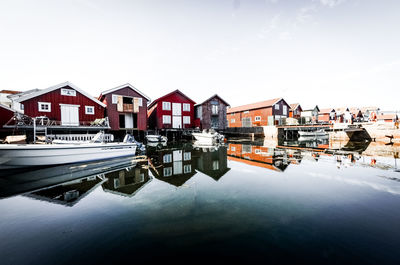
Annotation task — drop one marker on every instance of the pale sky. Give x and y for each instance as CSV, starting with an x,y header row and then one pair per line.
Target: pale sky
x,y
332,53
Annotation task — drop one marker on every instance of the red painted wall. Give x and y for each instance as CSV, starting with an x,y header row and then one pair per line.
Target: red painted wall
x,y
174,98
5,116
31,107
113,114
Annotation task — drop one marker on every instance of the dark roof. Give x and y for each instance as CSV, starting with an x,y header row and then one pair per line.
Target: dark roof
x,y
175,91
216,95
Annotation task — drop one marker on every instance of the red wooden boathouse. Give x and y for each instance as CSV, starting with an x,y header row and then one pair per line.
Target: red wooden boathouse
x,y
172,111
126,108
65,104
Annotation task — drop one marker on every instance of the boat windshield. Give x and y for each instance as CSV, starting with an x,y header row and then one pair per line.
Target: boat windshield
x,y
98,138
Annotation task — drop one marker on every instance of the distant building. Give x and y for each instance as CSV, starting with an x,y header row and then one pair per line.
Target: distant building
x,y
295,110
64,104
126,108
269,112
327,115
172,111
4,97
310,115
388,117
211,113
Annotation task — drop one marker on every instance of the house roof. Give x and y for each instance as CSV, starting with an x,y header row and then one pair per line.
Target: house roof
x,y
215,95
123,86
5,91
26,96
175,91
316,106
258,105
7,108
328,110
295,106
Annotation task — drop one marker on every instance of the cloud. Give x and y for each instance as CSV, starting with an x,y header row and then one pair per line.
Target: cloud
x,y
331,3
285,35
305,13
272,24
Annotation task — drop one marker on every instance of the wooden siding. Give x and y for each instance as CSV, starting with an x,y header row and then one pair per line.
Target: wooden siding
x,y
113,113
207,116
5,116
54,97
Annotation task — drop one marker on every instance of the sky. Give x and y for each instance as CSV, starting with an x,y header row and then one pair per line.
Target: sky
x,y
330,53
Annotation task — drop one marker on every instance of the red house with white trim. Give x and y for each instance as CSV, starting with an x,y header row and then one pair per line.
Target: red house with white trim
x,y
172,111
64,104
126,108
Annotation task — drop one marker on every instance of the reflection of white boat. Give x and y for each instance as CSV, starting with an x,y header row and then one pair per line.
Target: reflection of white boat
x,y
312,138
208,137
317,133
153,138
55,154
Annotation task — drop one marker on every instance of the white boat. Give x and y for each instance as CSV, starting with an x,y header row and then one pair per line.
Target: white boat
x,y
153,138
208,137
316,133
16,155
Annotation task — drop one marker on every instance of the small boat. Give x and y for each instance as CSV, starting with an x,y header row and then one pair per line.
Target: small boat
x,y
153,138
317,133
20,155
208,137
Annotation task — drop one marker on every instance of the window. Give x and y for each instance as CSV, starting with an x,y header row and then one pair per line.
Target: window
x,y
277,106
166,119
215,165
186,107
187,169
167,158
114,99
257,151
199,112
140,101
89,110
166,105
233,149
232,120
214,109
44,106
187,156
68,92
257,118
167,171
186,119
22,106
141,177
284,110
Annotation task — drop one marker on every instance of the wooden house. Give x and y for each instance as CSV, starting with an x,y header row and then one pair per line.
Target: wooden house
x,y
172,111
388,117
327,115
269,112
310,115
295,110
64,104
126,108
211,113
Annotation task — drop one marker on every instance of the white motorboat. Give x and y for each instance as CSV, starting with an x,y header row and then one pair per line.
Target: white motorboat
x,y
16,155
208,137
153,138
317,133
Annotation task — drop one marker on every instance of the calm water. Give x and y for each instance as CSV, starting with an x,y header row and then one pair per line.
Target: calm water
x,y
315,202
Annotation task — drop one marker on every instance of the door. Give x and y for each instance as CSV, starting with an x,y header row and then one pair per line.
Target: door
x,y
246,122
70,115
128,121
177,109
177,122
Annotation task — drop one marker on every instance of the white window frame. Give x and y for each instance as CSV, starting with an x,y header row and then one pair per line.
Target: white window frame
x,y
284,110
140,101
114,99
257,118
233,148
166,119
215,165
186,107
187,169
186,119
216,109
44,103
68,92
233,120
276,106
167,171
86,110
166,105
187,156
167,158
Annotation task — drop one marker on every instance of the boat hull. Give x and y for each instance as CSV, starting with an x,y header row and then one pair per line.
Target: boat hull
x,y
41,155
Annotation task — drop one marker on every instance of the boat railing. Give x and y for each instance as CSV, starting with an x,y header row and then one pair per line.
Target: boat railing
x,y
78,137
